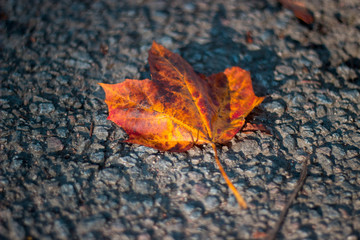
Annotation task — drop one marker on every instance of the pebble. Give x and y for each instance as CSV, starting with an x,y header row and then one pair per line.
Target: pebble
x,y
119,134
91,223
101,133
193,210
352,95
286,70
352,237
82,146
61,229
45,108
33,108
16,163
248,147
54,144
110,175
323,99
35,148
290,143
77,64
325,163
62,132
63,79
320,111
275,107
324,150
252,172
67,189
189,7
97,157
145,187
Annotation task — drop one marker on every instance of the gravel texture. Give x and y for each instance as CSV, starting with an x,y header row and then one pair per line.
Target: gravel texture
x,y
65,174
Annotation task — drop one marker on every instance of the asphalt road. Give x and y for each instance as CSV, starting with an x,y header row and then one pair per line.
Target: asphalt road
x,y
65,173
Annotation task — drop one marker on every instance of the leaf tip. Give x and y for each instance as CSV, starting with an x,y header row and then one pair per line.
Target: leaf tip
x,y
101,84
155,44
157,49
105,86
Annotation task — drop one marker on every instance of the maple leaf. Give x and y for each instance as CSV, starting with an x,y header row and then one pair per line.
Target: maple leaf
x,y
179,108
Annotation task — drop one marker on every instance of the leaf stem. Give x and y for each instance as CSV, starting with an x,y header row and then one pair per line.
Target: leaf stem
x,y
238,197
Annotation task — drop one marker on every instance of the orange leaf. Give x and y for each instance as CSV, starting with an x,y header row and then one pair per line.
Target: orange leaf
x,y
299,9
179,108
257,235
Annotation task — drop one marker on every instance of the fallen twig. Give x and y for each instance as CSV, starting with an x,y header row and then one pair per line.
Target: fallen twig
x,y
300,183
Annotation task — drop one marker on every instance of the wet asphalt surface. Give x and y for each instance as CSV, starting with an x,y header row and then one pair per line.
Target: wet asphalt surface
x,y
65,174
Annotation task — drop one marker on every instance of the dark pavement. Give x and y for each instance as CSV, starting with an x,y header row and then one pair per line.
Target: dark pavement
x,y
65,174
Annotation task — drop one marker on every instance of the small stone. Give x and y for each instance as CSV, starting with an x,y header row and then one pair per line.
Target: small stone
x,y
193,210
101,133
353,163
45,108
82,146
289,142
324,150
320,111
18,232
16,163
96,146
101,119
67,189
275,107
329,211
77,64
54,144
352,237
286,70
3,182
89,224
61,229
248,147
144,236
110,175
33,108
189,7
346,72
119,134
97,157
323,99
77,104
35,148
62,132
63,79
5,115
166,41
81,56
211,203
352,95
145,187
355,137
278,179
325,163
94,104
163,165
